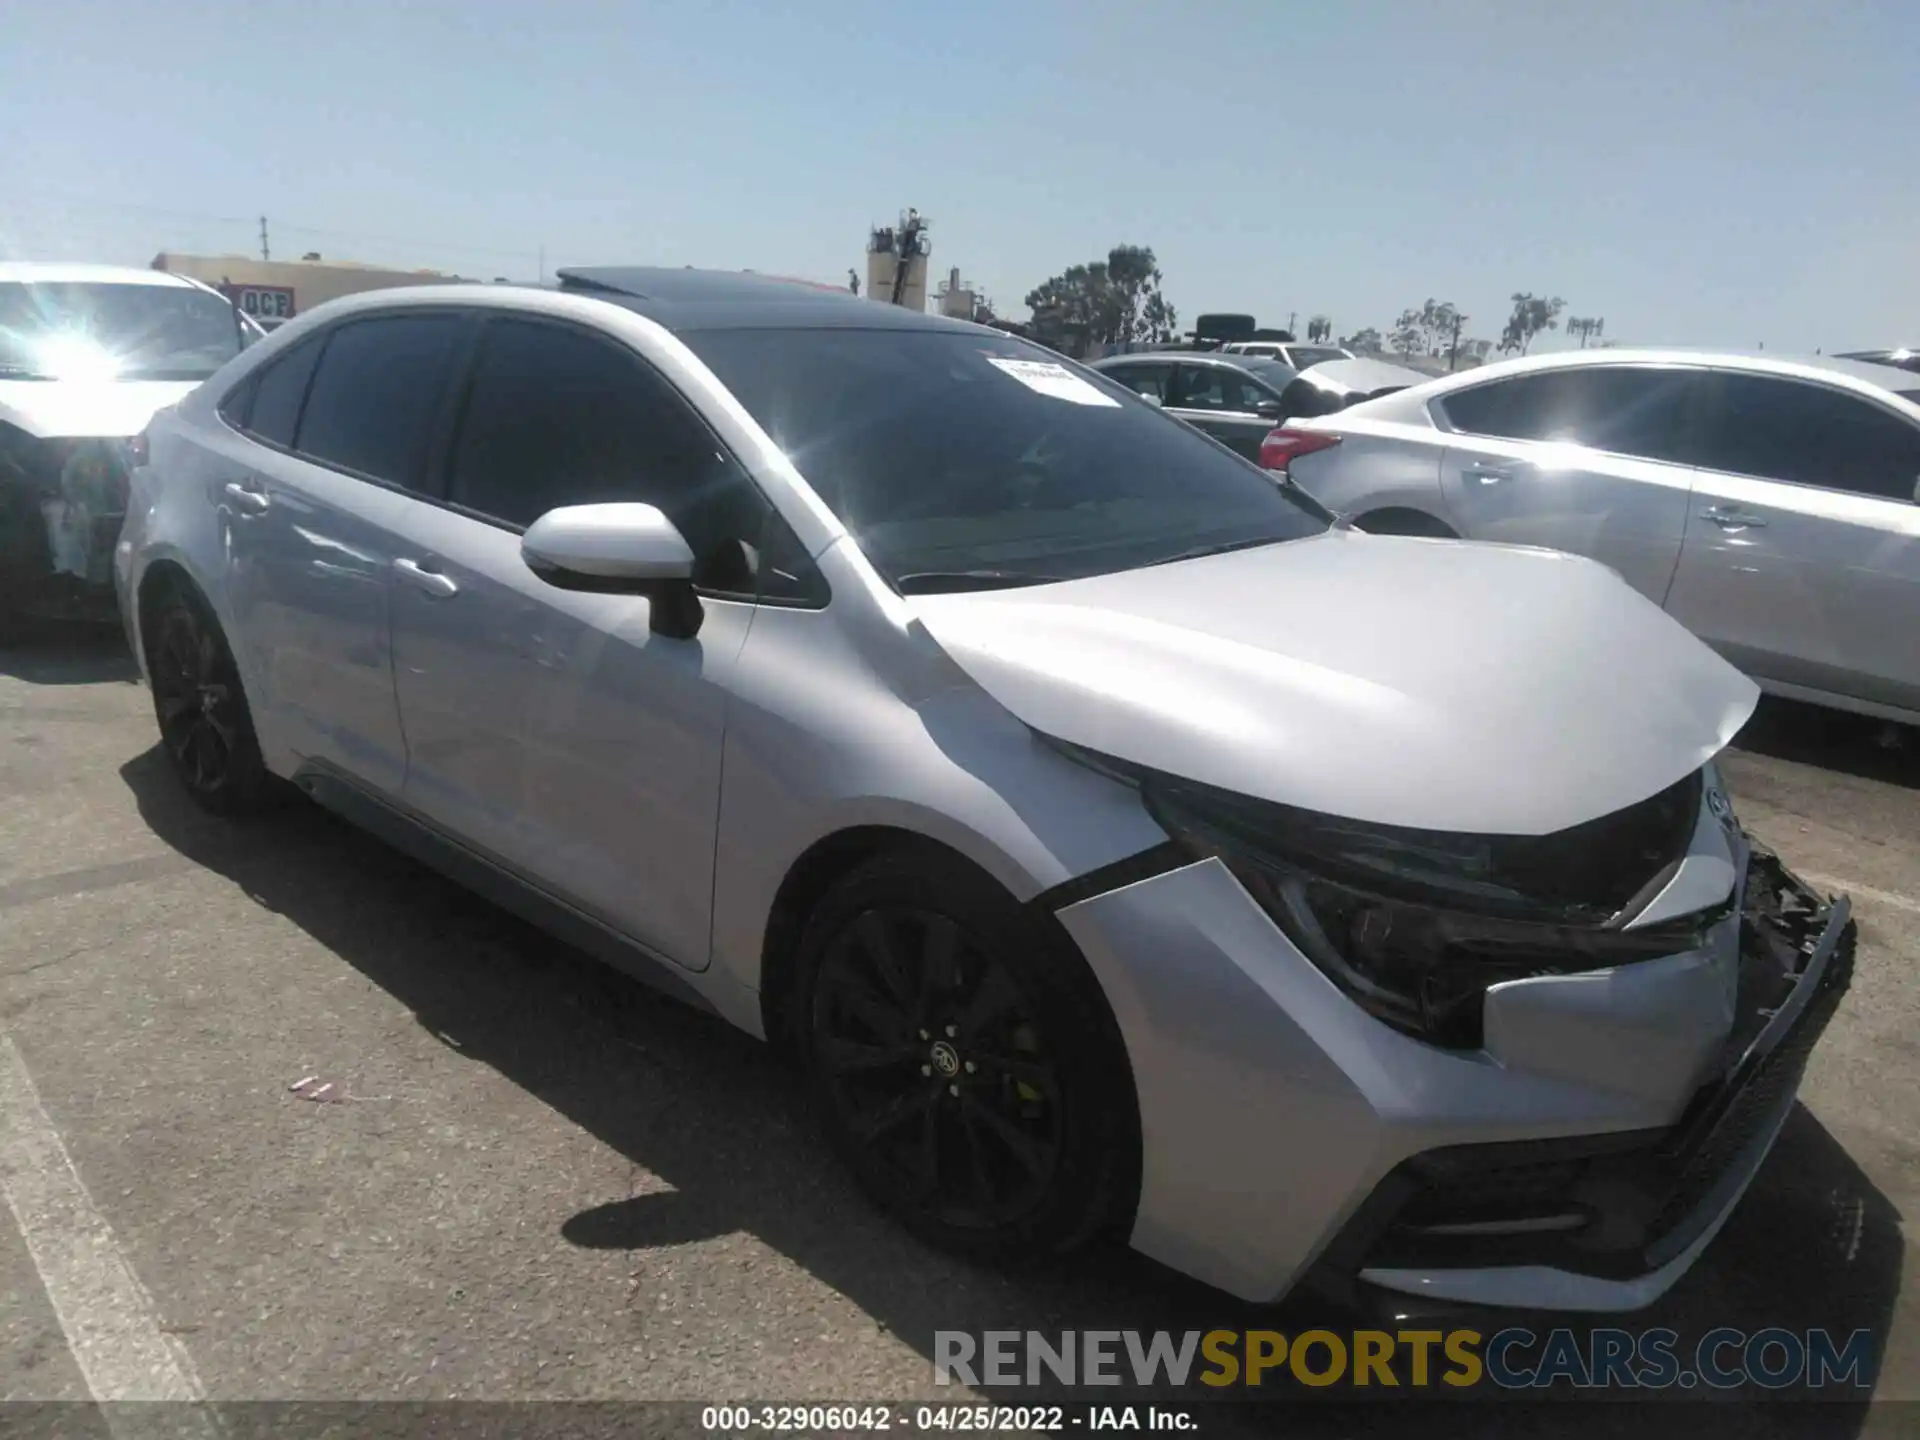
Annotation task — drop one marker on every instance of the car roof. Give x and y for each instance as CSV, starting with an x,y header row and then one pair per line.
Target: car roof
x,y
1804,367
37,272
1206,357
689,299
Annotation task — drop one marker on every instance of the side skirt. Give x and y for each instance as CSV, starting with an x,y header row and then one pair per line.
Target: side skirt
x,y
494,881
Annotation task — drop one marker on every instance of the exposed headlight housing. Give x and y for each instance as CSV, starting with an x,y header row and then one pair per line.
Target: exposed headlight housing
x,y
1417,925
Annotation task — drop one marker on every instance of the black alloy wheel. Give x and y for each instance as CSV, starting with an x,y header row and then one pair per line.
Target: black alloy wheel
x,y
205,726
956,1065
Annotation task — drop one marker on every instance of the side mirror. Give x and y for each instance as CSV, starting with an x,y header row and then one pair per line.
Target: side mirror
x,y
1267,409
618,549
1153,400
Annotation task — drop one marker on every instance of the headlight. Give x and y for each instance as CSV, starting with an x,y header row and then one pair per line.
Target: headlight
x,y
1416,925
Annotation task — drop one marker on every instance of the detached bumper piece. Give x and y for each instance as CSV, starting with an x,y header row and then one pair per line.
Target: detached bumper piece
x,y
1623,1206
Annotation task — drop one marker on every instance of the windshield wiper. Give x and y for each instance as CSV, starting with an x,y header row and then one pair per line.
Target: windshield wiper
x,y
1200,552
933,582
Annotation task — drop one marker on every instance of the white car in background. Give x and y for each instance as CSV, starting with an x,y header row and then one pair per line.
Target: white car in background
x,y
1297,353
1770,505
88,354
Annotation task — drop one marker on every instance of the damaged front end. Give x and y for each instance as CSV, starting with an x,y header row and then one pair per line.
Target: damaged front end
x,y
62,502
1419,926
1632,1203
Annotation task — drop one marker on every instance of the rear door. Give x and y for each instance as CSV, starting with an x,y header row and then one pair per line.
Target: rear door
x,y
343,423
1591,460
1802,557
1227,403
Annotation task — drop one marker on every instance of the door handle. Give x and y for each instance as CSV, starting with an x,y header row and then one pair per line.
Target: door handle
x,y
441,587
1487,472
246,499
1728,517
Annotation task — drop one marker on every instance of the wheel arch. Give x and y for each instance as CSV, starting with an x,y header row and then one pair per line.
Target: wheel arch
x,y
1405,520
830,859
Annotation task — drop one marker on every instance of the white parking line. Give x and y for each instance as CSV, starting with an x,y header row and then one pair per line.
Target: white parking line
x,y
108,1317
1864,892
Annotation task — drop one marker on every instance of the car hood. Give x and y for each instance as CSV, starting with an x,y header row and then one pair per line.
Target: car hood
x,y
1361,377
1438,684
71,409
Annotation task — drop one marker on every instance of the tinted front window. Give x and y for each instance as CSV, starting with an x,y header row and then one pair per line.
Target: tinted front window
x,y
1276,374
114,332
1808,434
1151,380
558,417
946,452
1628,411
372,405
1217,387
278,388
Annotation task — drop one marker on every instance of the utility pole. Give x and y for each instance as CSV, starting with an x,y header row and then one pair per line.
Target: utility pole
x,y
265,253
1292,315
1453,350
543,264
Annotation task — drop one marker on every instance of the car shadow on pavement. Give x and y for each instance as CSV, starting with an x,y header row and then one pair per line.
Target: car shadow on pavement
x,y
717,1116
65,654
1839,740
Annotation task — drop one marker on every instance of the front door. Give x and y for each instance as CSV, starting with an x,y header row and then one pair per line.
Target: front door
x,y
549,729
340,426
1802,556
1591,460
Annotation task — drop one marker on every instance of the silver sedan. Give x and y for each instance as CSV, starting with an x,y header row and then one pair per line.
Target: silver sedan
x,y
1768,504
1117,845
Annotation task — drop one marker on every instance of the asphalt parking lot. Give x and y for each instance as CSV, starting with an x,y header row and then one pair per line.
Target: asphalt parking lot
x,y
533,1180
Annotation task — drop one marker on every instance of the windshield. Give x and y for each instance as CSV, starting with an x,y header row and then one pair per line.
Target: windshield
x,y
1305,355
113,332
961,460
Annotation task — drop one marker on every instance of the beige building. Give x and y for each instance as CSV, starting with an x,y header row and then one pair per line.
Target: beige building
x,y
275,290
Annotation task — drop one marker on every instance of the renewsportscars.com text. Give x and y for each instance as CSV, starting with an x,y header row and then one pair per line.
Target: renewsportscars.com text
x,y
1514,1358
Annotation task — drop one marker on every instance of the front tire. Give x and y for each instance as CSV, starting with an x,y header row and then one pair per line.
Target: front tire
x,y
962,1063
206,728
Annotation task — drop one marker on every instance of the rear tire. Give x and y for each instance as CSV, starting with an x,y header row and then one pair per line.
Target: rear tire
x,y
962,1062
206,727
1406,522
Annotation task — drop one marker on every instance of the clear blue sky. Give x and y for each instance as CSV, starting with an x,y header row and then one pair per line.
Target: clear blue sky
x,y
1720,173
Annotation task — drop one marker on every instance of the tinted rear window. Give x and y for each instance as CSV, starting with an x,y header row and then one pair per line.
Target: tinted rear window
x,y
944,451
279,388
372,405
1624,409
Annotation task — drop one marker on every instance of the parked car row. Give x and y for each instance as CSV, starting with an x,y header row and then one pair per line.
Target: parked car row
x,y
1239,397
1119,844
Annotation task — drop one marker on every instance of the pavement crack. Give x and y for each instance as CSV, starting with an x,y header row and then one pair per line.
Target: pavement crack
x,y
49,963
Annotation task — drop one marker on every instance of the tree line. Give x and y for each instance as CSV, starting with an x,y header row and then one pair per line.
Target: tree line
x,y
1119,301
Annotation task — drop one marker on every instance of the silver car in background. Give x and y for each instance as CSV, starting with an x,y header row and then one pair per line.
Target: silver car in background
x,y
1119,845
1770,505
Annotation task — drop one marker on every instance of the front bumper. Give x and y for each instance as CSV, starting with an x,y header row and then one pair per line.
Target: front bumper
x,y
62,504
1581,1161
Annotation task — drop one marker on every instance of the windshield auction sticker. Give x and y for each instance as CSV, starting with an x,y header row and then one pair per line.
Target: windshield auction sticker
x,y
1043,377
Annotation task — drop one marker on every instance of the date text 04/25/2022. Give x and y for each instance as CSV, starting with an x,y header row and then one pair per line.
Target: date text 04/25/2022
x,y
975,1419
